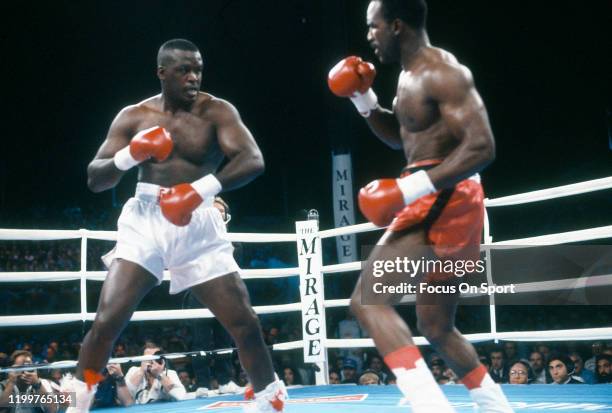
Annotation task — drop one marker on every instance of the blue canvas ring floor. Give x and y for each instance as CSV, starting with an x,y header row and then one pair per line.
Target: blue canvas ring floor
x,y
373,399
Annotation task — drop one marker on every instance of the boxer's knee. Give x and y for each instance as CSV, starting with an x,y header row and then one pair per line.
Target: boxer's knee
x,y
105,328
434,328
246,329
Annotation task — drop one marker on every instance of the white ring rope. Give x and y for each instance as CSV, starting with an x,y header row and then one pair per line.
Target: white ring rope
x,y
586,334
552,193
550,239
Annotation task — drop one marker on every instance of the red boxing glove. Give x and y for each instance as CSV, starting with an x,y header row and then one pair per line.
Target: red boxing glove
x,y
151,143
177,203
380,200
351,75
154,143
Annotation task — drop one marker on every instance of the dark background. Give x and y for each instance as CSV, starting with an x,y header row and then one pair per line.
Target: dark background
x,y
543,69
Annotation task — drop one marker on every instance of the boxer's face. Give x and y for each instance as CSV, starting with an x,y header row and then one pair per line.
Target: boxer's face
x,y
380,35
181,77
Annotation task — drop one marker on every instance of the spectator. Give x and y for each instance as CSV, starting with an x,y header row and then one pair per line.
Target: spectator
x,y
187,380
376,365
112,390
498,370
290,377
349,328
349,371
561,369
587,376
597,348
368,378
485,360
24,383
271,336
510,350
602,374
119,350
536,360
153,381
544,349
391,379
520,373
438,369
4,359
334,377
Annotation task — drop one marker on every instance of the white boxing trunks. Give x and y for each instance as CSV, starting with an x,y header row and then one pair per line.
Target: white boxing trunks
x,y
193,254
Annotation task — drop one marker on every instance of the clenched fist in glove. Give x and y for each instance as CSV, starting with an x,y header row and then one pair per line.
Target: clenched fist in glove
x,y
352,78
380,200
178,203
154,143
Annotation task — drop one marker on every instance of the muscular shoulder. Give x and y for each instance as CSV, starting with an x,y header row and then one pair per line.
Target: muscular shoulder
x,y
446,78
137,111
219,110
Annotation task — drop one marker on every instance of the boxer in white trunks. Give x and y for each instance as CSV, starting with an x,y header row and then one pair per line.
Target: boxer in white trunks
x,y
178,140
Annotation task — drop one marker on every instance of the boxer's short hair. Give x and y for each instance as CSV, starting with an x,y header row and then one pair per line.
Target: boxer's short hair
x,y
411,12
174,44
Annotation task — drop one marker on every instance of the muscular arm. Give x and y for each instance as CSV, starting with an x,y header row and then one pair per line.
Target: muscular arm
x,y
245,159
102,174
464,113
385,126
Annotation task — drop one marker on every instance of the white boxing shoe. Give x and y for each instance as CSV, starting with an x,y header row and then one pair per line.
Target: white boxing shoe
x,y
78,389
269,400
491,399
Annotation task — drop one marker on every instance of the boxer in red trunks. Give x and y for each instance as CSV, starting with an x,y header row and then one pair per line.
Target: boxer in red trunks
x,y
440,122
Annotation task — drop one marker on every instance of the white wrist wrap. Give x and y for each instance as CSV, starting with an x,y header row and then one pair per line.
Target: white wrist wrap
x,y
207,186
415,186
365,103
123,159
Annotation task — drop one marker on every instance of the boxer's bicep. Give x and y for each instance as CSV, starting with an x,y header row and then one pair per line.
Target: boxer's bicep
x,y
463,114
233,136
118,135
461,107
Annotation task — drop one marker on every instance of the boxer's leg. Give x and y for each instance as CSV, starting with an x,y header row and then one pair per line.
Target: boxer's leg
x,y
228,299
391,335
125,286
436,321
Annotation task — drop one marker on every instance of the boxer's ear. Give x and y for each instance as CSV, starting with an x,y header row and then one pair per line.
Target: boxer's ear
x,y
397,26
161,72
